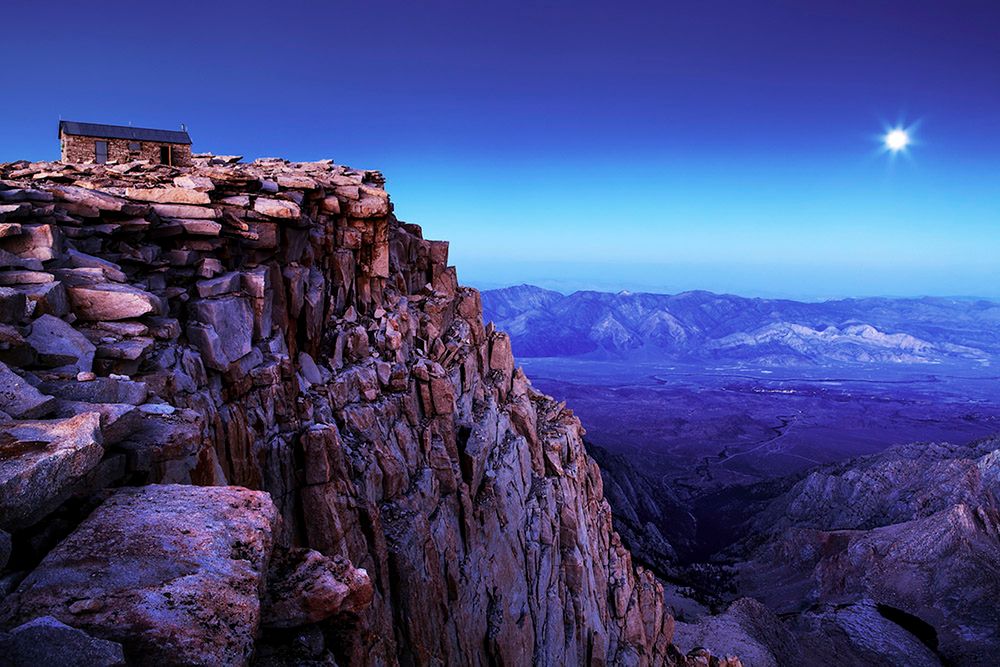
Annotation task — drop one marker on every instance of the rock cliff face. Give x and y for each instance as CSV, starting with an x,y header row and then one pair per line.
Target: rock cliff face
x,y
272,327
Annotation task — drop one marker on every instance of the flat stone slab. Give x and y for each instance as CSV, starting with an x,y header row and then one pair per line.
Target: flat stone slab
x,y
176,195
199,183
77,195
276,208
98,390
173,573
185,211
112,301
40,461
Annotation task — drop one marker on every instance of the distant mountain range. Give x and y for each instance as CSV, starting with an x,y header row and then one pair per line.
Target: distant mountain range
x,y
704,326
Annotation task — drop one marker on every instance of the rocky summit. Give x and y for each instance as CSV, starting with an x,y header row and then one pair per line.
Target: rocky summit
x,y
250,416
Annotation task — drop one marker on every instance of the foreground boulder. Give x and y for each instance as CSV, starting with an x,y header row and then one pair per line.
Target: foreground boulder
x,y
40,461
173,573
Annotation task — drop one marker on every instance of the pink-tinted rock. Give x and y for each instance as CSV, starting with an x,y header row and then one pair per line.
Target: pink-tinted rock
x,y
42,242
178,195
87,197
305,587
296,181
173,573
367,207
420,456
276,208
185,211
41,460
199,183
14,229
200,227
111,301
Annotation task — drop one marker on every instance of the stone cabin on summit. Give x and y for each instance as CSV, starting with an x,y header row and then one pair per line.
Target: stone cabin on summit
x,y
95,142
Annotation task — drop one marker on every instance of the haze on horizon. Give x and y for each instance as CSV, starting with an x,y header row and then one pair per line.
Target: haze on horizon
x,y
654,146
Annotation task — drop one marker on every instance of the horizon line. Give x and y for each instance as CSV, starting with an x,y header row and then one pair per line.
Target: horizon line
x,y
629,292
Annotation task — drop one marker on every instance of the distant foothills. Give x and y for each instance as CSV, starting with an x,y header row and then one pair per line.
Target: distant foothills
x,y
702,326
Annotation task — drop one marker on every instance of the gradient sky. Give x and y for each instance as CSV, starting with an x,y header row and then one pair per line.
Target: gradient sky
x,y
665,146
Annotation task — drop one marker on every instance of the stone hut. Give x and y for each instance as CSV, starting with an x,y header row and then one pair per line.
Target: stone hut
x,y
96,142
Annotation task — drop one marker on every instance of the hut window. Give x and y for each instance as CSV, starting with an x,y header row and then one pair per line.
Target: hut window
x,y
100,152
134,146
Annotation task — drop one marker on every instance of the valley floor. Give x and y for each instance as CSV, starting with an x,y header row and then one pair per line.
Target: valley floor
x,y
734,424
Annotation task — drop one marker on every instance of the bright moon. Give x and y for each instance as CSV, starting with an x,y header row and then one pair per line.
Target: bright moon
x,y
896,140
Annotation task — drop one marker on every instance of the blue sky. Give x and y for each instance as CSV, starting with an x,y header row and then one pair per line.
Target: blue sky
x,y
730,146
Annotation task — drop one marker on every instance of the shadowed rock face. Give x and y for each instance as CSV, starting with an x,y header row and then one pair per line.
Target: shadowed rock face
x,y
47,641
653,522
278,329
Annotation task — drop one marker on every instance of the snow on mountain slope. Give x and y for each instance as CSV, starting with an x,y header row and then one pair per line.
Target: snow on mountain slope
x,y
703,325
